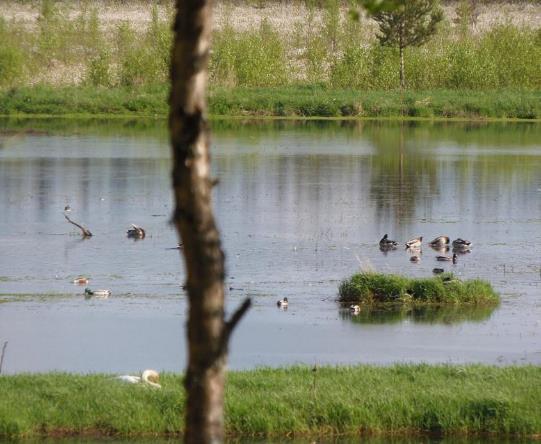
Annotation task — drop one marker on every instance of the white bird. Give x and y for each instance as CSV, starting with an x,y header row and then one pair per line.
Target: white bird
x,y
355,309
150,377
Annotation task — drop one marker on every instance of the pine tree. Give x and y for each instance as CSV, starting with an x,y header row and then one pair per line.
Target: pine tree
x,y
408,23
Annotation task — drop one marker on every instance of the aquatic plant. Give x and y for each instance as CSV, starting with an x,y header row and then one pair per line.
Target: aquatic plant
x,y
369,289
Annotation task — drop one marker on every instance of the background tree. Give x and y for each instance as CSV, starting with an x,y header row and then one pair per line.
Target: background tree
x,y
408,23
208,332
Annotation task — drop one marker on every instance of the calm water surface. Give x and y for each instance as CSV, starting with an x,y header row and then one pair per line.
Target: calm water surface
x,y
300,207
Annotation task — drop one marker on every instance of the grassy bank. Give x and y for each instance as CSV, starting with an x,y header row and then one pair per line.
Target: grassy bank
x,y
402,399
292,101
369,288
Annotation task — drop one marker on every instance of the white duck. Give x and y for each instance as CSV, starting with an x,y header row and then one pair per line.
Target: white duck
x,y
97,293
150,377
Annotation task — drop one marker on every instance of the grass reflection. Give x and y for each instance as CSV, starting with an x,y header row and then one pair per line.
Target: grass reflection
x,y
432,314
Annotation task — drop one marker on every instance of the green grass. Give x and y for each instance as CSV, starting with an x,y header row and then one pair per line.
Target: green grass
x,y
401,399
283,102
369,288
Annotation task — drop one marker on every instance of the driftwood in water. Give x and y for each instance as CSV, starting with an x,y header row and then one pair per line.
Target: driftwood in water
x,y
136,232
86,232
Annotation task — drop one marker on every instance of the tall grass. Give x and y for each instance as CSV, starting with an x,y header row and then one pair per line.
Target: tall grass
x,y
326,50
405,399
369,288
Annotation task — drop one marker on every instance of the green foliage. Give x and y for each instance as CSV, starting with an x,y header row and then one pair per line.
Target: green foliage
x,y
251,58
99,70
330,401
369,288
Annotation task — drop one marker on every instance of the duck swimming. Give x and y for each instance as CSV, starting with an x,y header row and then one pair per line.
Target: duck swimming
x,y
415,242
149,377
437,270
283,303
385,242
415,258
440,241
136,232
461,243
355,309
447,258
81,280
97,293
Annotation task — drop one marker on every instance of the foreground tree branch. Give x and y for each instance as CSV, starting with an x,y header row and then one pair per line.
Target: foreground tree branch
x,y
208,333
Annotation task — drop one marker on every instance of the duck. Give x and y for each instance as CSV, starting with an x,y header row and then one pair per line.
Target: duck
x,y
283,303
81,280
136,232
355,309
97,293
415,258
437,270
461,243
67,209
440,241
149,377
447,258
415,242
385,242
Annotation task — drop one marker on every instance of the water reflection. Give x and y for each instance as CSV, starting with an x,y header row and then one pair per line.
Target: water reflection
x,y
300,205
448,314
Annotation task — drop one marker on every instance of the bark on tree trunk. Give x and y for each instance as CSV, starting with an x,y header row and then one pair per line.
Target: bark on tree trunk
x,y
208,333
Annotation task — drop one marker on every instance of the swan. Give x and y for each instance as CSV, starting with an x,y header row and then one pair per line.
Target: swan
x,y
150,377
415,242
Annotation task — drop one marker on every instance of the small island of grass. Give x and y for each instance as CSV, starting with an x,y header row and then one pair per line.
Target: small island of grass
x,y
370,288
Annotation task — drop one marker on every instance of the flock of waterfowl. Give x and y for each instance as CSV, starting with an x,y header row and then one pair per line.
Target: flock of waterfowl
x,y
441,244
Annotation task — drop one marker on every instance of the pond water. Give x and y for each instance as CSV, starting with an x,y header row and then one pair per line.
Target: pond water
x,y
300,206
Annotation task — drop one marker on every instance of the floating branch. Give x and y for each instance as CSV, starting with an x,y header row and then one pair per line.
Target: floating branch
x,y
86,232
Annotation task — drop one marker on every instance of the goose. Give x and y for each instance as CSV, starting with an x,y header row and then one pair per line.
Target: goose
x,y
81,280
440,241
461,243
97,293
136,232
283,303
447,258
385,242
415,242
150,377
355,309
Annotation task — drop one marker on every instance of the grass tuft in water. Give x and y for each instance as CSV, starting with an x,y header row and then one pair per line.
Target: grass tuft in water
x,y
369,288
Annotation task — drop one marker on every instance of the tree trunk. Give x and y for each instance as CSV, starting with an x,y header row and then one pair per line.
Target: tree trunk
x,y
208,333
401,49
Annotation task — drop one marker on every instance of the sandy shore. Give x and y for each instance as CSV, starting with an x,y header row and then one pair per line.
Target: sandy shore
x,y
244,15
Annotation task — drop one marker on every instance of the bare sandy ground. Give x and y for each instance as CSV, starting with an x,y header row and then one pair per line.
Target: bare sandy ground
x,y
245,15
